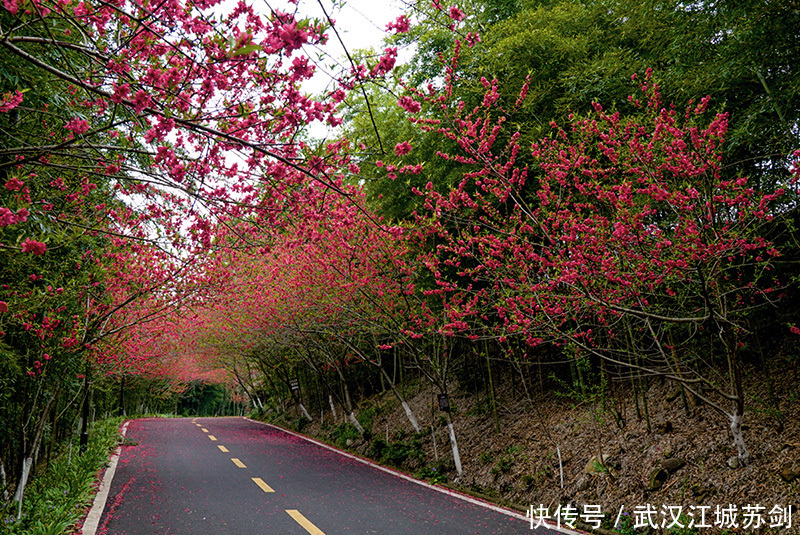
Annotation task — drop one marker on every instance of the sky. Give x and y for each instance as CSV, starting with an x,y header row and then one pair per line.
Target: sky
x,y
361,24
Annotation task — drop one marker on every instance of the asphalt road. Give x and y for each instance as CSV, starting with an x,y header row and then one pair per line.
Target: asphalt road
x,y
234,476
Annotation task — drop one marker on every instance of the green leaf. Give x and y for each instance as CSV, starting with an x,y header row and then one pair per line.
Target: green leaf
x,y
245,50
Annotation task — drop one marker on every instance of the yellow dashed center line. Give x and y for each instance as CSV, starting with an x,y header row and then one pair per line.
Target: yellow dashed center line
x,y
238,463
223,449
303,521
212,437
260,482
204,430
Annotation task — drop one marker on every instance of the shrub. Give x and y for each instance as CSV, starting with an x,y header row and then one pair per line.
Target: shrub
x,y
57,499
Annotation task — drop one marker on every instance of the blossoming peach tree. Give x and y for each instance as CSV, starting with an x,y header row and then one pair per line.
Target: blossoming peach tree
x,y
626,239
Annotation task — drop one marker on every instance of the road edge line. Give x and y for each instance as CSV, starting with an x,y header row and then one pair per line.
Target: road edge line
x,y
449,492
92,521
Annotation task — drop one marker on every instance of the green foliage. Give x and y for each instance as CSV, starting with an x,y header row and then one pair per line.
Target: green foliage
x,y
436,474
503,465
542,476
57,499
367,415
505,460
299,423
761,406
598,467
204,399
398,452
377,447
515,449
585,387
344,432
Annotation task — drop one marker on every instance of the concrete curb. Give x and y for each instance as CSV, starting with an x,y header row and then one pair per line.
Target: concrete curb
x,y
92,521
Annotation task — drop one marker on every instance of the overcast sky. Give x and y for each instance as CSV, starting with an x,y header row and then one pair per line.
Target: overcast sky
x,y
361,23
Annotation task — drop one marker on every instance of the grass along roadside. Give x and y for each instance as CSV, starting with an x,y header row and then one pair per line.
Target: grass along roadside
x,y
57,499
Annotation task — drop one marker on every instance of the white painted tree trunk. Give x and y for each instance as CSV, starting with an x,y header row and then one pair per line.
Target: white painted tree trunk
x,y
305,413
3,482
349,404
409,413
560,465
354,421
23,480
333,407
410,416
742,453
454,444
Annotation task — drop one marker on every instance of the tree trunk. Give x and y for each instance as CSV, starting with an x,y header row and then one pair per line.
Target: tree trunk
x,y
3,483
351,414
354,421
742,453
409,413
729,340
27,462
121,409
333,407
83,441
435,449
454,444
23,481
491,391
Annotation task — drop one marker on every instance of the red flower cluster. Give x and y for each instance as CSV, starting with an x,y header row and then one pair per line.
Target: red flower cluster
x,y
457,14
35,247
401,149
10,100
399,25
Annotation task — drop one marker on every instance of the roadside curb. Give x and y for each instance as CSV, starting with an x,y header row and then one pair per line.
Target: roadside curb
x,y
444,490
92,521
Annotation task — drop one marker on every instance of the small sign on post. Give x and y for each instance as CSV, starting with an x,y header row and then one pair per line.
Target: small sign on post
x,y
294,384
444,403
